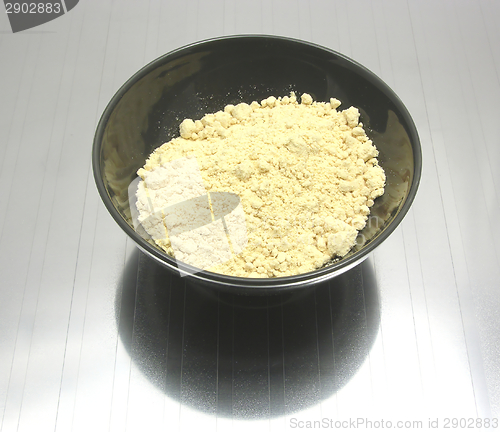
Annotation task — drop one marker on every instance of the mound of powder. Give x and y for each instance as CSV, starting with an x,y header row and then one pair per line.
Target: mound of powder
x,y
306,174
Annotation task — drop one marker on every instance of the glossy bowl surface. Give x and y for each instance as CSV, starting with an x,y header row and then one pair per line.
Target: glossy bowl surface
x,y
204,77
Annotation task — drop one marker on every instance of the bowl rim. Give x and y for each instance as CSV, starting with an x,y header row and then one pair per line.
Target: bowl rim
x,y
227,281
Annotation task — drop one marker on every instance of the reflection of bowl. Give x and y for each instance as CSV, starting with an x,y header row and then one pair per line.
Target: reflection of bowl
x,y
246,357
206,76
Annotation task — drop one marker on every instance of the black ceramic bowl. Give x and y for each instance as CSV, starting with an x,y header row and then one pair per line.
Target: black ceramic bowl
x,y
204,77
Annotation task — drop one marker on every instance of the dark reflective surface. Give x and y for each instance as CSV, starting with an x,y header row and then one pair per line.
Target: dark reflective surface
x,y
246,356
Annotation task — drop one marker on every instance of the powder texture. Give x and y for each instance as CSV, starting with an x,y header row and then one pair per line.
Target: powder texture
x,y
306,174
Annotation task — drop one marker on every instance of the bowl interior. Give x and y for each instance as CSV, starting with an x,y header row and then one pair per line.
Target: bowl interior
x,y
204,77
